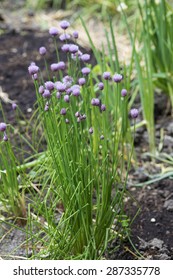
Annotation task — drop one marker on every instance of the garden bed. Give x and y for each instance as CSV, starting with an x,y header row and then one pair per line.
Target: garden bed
x,y
152,229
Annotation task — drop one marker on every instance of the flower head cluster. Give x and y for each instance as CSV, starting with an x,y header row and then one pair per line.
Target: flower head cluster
x,y
33,68
117,78
134,113
75,34
53,31
42,50
69,85
57,66
64,24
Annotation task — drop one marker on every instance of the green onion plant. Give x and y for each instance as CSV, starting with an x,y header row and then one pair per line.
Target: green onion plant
x,y
12,195
157,21
144,76
85,123
75,188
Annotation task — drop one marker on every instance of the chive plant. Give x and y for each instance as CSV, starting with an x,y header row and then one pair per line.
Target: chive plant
x,y
11,195
83,121
157,24
144,75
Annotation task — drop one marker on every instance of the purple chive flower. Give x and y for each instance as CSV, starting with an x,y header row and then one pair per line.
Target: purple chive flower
x,y
103,107
64,37
53,31
73,48
46,93
3,126
81,81
63,111
57,66
101,137
41,89
54,67
60,86
91,130
76,91
42,50
66,98
14,106
75,34
123,92
67,80
5,138
33,69
75,86
117,78
134,113
49,85
64,24
65,48
58,94
85,71
95,102
101,86
85,57
106,75
61,65
68,91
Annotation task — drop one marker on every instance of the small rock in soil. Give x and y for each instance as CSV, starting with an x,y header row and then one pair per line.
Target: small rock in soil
x,y
162,257
141,175
168,205
155,243
170,128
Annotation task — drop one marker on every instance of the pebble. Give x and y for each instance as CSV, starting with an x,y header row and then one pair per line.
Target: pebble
x,y
29,110
156,243
162,257
153,220
170,128
168,205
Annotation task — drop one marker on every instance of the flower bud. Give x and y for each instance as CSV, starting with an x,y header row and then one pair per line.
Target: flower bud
x,y
134,113
123,92
63,111
53,31
14,106
42,50
101,86
106,75
75,34
86,71
90,130
117,78
64,24
3,126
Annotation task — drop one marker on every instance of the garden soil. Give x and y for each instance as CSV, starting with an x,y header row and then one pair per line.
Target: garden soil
x,y
149,206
